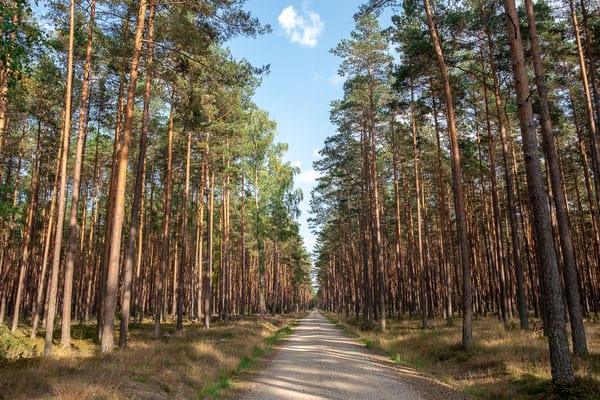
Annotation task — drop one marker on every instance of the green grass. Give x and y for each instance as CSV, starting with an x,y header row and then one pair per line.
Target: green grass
x,y
14,347
219,388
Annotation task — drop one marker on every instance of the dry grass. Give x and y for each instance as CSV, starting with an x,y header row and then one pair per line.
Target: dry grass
x,y
194,365
503,364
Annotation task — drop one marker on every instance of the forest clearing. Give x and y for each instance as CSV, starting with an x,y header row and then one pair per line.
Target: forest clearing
x,y
150,213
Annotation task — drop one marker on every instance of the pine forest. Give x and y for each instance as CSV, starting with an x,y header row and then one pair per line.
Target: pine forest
x,y
143,190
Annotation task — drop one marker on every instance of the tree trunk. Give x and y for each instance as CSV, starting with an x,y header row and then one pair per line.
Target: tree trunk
x,y
571,279
137,191
166,224
28,232
511,204
65,135
457,185
74,233
210,197
185,239
560,357
594,150
117,216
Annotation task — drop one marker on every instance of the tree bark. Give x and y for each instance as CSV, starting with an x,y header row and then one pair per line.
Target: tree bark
x,y
457,185
570,277
74,232
65,135
560,357
138,189
112,275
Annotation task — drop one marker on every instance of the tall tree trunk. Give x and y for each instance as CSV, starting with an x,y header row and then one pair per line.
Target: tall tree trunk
x,y
590,56
74,233
457,185
496,217
243,249
560,357
39,299
117,216
210,197
588,102
185,239
443,217
65,135
511,203
166,224
568,253
138,189
27,234
416,167
261,253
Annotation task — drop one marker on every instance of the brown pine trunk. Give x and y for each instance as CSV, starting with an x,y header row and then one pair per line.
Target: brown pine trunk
x,y
137,191
457,185
39,302
588,102
496,217
243,249
185,239
200,241
166,224
570,277
117,216
66,129
210,197
590,56
74,233
511,203
560,357
27,234
443,216
416,167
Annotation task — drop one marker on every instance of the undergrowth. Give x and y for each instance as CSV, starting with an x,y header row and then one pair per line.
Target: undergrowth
x,y
504,363
196,364
226,378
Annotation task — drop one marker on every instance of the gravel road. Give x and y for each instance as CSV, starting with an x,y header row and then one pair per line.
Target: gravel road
x,y
319,362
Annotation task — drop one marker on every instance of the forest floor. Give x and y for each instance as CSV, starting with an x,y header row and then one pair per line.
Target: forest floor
x,y
505,363
196,364
317,362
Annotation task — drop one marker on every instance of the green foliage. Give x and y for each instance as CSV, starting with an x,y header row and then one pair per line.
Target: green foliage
x,y
18,36
13,347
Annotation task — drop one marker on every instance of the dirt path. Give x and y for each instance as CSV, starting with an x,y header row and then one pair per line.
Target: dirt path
x,y
319,362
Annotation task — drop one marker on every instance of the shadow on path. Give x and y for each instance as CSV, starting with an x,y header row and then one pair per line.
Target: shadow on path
x,y
318,362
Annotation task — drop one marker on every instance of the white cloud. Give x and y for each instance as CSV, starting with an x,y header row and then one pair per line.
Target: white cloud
x,y
308,177
316,153
296,164
302,29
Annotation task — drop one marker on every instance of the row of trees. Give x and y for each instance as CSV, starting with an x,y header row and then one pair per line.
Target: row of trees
x,y
155,188
411,220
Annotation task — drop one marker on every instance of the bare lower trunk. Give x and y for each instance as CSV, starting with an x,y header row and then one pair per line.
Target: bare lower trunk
x,y
560,357
138,190
457,186
117,216
570,274
53,287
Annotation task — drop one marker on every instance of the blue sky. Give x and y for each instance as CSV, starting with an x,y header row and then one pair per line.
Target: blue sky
x,y
303,78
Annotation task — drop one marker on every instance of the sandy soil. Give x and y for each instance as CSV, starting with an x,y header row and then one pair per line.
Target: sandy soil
x,y
319,362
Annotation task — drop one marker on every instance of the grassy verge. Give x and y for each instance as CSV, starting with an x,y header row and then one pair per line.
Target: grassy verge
x,y
503,364
196,364
226,379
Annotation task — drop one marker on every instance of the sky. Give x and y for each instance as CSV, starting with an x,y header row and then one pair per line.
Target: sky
x,y
303,77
